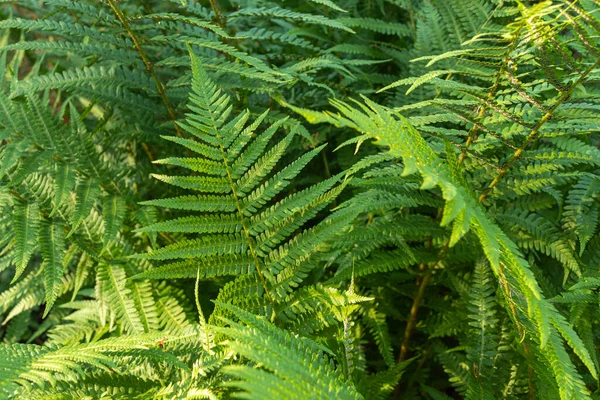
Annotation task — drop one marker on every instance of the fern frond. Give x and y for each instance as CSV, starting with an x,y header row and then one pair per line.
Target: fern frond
x,y
485,340
52,244
118,295
581,210
287,356
87,193
277,12
26,220
465,211
114,210
237,166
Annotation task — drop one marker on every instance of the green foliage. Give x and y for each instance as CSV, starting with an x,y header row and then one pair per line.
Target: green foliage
x,y
172,230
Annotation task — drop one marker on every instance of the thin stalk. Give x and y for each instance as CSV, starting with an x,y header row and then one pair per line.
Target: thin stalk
x,y
412,321
149,67
214,4
414,309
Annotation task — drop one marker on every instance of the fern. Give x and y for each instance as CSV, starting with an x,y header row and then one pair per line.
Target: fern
x,y
300,367
245,240
462,209
171,230
484,348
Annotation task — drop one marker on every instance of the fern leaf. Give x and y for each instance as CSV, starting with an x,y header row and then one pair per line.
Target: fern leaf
x,y
203,247
228,264
277,12
330,4
73,79
65,183
87,192
379,386
502,253
376,25
220,223
196,203
118,295
287,356
581,211
378,327
26,221
114,209
239,242
52,244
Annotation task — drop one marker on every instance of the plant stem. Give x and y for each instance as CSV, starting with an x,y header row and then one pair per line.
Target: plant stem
x,y
149,67
414,309
412,321
218,16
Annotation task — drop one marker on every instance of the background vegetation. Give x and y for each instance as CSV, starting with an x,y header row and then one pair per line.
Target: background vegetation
x,y
300,199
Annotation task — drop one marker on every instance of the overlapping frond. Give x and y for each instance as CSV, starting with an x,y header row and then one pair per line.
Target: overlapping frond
x,y
464,212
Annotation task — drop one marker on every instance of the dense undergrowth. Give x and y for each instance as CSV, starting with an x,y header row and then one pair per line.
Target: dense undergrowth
x,y
301,199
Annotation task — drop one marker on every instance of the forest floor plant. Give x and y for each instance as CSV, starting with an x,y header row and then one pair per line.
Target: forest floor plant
x,y
303,199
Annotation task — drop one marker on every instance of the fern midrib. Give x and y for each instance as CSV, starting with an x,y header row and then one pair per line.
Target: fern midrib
x,y
241,214
122,301
166,310
243,223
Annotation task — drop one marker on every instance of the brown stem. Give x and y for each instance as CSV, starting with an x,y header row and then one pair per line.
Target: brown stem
x,y
148,151
149,67
412,321
214,4
414,309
